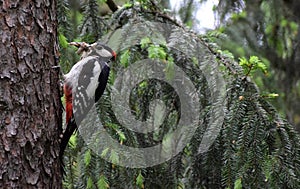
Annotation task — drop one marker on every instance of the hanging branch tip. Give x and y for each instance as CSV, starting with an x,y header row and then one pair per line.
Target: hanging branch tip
x,y
112,5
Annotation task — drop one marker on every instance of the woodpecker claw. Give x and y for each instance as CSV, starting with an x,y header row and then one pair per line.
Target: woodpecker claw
x,y
55,67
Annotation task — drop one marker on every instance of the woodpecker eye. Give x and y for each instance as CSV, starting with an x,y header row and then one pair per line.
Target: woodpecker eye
x,y
99,47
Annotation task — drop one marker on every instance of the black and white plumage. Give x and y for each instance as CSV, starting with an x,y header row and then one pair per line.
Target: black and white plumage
x,y
85,84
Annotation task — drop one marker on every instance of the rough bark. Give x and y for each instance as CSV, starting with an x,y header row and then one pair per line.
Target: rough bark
x,y
30,118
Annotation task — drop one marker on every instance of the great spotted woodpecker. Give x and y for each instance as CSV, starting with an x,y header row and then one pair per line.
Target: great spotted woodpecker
x,y
84,84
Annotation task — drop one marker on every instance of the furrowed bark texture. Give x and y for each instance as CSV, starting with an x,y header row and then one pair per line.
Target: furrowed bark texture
x,y
30,108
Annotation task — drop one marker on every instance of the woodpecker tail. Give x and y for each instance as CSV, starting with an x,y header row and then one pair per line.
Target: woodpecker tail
x,y
70,129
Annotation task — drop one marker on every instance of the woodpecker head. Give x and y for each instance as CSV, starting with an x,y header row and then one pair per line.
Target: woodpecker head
x,y
95,49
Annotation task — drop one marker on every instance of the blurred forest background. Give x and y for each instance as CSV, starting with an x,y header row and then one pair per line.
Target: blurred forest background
x,y
268,29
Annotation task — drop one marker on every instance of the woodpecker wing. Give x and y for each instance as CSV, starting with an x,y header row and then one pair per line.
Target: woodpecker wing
x,y
92,80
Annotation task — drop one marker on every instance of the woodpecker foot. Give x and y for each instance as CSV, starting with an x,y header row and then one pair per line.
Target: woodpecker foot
x,y
56,67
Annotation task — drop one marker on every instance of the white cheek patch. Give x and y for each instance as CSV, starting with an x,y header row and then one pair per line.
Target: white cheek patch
x,y
91,88
104,53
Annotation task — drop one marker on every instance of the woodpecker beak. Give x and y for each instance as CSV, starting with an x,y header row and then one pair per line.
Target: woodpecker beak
x,y
82,46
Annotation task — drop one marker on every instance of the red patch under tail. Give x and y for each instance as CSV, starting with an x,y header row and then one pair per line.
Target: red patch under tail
x,y
68,99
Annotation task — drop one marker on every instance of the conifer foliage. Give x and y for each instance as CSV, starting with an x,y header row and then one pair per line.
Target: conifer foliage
x,y
254,148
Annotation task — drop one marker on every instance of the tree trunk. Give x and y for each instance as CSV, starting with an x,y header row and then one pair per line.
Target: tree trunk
x,y
30,118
